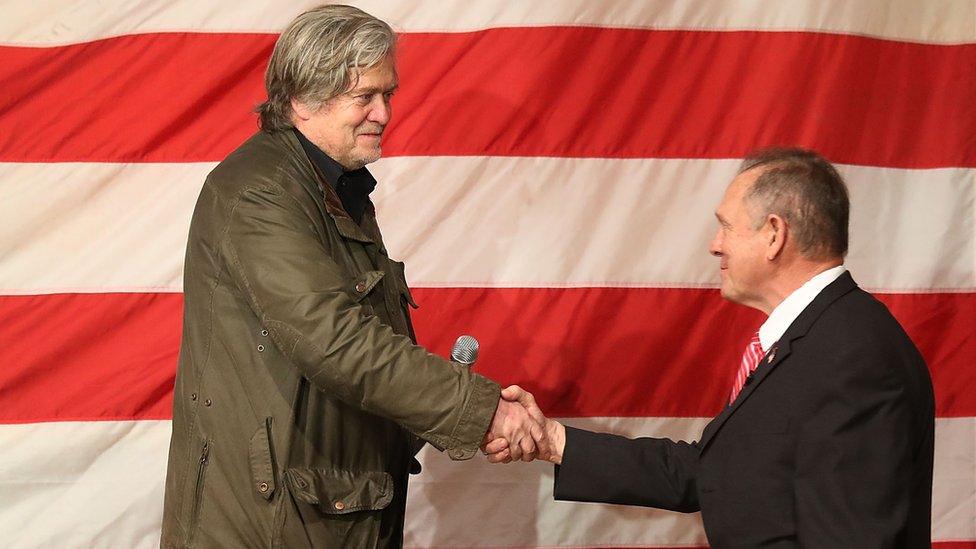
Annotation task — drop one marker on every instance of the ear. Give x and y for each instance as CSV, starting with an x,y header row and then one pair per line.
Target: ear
x,y
776,233
300,109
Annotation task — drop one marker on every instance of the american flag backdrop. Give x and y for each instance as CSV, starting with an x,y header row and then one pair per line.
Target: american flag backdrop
x,y
549,179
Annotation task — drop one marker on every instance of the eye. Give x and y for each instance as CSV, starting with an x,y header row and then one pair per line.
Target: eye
x,y
387,96
364,99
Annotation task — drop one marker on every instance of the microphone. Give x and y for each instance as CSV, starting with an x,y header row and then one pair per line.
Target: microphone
x,y
465,350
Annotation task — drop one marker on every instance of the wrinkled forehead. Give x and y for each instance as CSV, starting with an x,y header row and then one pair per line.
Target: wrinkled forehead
x,y
381,77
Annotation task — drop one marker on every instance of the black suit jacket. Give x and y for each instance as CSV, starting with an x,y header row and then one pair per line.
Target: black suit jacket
x,y
829,445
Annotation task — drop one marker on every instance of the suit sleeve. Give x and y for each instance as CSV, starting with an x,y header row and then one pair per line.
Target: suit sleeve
x,y
650,472
858,457
298,292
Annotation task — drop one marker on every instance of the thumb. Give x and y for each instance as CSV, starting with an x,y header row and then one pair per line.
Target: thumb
x,y
512,393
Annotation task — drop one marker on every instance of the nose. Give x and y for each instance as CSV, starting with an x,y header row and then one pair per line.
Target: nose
x,y
380,110
715,247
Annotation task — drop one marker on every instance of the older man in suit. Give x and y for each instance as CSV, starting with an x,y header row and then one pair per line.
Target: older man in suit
x,y
827,438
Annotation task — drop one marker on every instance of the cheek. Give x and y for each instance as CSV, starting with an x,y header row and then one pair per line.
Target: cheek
x,y
358,120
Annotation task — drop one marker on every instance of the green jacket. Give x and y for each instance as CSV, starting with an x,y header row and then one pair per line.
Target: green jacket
x,y
301,396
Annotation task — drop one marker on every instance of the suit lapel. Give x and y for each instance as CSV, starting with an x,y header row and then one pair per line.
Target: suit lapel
x,y
780,350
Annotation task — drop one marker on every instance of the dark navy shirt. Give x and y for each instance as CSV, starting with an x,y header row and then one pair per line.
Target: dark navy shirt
x,y
353,187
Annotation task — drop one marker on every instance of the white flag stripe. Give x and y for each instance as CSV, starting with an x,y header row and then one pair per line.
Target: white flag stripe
x,y
52,473
529,512
78,227
82,484
573,223
56,22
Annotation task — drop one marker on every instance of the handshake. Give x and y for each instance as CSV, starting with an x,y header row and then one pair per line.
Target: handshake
x,y
520,432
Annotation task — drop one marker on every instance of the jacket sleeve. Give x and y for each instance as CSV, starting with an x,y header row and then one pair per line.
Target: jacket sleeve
x,y
650,472
297,290
858,456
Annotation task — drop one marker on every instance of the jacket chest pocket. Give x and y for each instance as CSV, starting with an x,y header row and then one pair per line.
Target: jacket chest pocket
x,y
367,290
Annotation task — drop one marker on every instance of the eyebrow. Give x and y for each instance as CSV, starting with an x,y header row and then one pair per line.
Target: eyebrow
x,y
374,89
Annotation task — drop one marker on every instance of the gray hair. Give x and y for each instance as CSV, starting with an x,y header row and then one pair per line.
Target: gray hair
x,y
314,59
804,189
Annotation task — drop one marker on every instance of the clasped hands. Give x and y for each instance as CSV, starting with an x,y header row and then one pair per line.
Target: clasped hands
x,y
521,432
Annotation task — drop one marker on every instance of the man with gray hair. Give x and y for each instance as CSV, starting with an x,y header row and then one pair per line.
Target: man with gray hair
x,y
827,437
301,396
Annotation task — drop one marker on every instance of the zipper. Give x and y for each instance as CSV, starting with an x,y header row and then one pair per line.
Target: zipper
x,y
198,491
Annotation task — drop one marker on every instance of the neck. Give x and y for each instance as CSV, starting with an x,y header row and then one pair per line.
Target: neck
x,y
786,282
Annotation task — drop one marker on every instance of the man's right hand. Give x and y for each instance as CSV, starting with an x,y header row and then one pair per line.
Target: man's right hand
x,y
524,437
499,450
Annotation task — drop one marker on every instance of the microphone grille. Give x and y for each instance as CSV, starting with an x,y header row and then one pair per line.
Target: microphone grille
x,y
465,350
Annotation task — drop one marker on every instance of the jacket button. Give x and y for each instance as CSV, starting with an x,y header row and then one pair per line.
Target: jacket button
x,y
340,506
264,333
361,287
193,397
263,487
207,402
260,348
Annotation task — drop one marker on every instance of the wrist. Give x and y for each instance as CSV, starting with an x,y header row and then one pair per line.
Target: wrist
x,y
557,438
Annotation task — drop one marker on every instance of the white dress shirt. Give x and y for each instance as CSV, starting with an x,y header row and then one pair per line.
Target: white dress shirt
x,y
786,312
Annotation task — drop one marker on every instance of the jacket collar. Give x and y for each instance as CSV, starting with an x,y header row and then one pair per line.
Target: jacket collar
x,y
317,185
781,350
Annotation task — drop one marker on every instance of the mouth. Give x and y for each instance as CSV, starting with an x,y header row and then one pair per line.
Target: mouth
x,y
374,131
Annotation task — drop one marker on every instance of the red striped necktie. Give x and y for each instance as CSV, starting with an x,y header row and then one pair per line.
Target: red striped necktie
x,y
750,358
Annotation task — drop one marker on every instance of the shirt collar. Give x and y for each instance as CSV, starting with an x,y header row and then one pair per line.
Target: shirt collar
x,y
786,312
352,187
331,169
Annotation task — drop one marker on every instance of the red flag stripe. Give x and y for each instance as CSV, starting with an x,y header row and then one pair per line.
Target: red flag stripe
x,y
517,92
112,356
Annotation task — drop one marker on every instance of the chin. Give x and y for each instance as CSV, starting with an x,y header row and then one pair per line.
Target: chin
x,y
727,293
369,157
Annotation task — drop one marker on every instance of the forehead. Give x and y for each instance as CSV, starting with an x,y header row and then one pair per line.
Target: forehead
x,y
380,77
733,201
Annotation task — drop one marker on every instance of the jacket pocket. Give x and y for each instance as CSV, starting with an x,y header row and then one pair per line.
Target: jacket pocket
x,y
362,286
261,459
197,501
336,492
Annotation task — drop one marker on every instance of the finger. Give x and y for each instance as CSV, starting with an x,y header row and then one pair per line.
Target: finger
x,y
496,446
515,449
501,457
526,398
541,438
486,439
527,445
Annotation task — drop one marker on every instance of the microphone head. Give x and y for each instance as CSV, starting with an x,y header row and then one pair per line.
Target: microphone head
x,y
465,350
